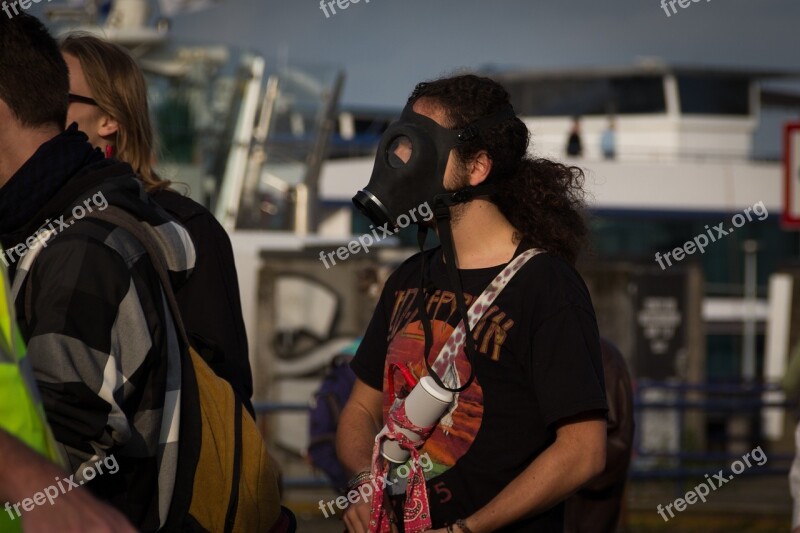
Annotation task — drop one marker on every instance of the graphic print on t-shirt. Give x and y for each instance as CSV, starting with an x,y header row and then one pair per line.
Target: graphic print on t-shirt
x,y
457,429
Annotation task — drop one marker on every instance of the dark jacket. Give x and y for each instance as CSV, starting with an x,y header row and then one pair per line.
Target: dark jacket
x,y
100,339
596,507
209,300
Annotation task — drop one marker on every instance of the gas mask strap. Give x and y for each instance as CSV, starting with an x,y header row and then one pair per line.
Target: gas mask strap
x,y
422,234
460,196
442,213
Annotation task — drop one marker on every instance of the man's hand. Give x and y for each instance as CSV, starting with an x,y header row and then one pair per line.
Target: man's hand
x,y
76,512
356,517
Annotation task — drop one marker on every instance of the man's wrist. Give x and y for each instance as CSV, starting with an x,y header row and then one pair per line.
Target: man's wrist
x,y
365,476
462,524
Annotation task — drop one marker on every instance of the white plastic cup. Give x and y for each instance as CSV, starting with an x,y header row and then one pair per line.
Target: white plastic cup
x,y
425,405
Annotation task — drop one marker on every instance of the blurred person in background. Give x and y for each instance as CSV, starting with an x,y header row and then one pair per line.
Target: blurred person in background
x,y
108,101
598,505
608,141
574,143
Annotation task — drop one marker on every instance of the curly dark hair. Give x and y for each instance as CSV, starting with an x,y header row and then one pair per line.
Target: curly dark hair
x,y
543,199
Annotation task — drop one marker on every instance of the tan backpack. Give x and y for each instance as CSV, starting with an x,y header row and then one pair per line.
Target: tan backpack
x,y
222,453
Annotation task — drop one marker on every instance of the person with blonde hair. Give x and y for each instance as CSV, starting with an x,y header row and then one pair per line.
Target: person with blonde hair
x,y
108,101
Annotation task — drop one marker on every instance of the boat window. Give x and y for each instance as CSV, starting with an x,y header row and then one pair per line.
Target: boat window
x,y
703,95
597,96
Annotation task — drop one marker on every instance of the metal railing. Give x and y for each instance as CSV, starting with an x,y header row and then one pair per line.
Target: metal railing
x,y
714,400
720,401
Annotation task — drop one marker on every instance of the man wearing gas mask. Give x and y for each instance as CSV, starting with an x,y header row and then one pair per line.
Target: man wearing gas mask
x,y
483,354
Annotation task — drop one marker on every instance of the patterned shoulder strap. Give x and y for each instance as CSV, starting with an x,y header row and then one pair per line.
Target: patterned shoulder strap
x,y
453,345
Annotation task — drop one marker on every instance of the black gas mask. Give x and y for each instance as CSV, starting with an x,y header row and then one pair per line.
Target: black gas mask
x,y
410,166
408,173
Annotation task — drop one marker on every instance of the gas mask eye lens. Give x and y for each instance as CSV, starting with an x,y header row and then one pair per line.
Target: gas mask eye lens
x,y
399,152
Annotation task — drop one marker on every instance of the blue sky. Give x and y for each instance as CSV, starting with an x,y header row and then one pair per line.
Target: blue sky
x,y
386,46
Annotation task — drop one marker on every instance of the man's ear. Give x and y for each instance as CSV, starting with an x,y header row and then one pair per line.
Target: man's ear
x,y
479,168
108,126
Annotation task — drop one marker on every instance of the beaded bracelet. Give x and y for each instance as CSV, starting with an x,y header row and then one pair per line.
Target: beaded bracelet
x,y
359,479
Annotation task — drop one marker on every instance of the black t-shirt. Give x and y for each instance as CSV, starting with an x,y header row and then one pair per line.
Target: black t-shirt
x,y
538,362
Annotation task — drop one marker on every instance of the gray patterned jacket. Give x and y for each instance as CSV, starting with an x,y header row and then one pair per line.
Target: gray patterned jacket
x,y
102,341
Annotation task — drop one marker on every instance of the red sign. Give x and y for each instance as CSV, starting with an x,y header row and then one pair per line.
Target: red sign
x,y
791,176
